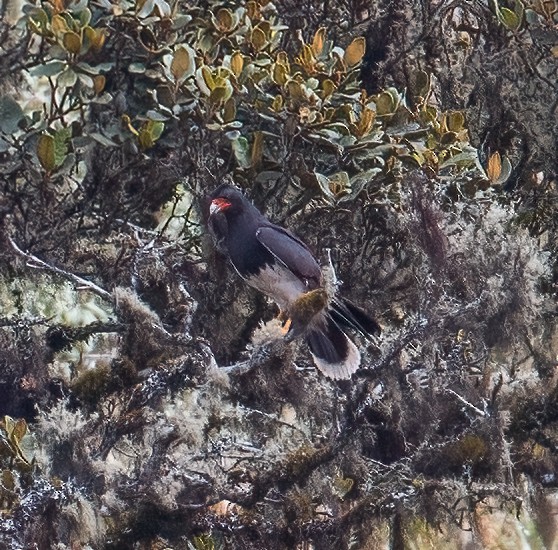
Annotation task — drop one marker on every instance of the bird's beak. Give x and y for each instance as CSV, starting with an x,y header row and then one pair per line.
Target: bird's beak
x,y
218,205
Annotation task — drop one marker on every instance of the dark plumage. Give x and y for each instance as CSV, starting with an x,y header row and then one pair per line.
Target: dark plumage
x,y
276,262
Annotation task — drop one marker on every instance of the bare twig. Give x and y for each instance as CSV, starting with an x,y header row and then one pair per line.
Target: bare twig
x,y
37,263
465,402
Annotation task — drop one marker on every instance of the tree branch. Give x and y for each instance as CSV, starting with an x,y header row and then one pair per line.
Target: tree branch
x,y
37,263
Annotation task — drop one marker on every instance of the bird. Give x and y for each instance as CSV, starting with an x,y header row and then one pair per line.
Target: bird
x,y
277,263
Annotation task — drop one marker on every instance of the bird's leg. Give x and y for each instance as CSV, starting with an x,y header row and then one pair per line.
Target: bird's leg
x,y
285,321
286,326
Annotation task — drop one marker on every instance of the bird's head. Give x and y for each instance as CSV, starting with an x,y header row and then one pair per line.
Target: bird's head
x,y
227,200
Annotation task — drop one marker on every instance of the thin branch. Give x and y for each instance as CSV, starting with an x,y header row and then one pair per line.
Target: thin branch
x,y
465,402
37,263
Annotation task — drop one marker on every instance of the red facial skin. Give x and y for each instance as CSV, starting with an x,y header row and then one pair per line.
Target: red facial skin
x,y
218,205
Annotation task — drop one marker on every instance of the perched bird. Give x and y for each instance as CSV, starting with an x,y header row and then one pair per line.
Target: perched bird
x,y
277,263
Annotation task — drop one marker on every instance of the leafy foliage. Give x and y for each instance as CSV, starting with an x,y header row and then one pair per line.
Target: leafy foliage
x,y
221,71
167,418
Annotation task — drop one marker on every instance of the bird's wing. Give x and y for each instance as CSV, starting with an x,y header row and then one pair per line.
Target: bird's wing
x,y
290,251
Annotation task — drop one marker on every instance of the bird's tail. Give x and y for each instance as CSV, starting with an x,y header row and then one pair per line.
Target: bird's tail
x,y
334,353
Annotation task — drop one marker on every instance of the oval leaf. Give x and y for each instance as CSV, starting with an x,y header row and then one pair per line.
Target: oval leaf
x,y
10,114
279,74
225,20
72,42
58,25
258,39
455,121
181,64
237,63
99,82
45,152
509,19
355,51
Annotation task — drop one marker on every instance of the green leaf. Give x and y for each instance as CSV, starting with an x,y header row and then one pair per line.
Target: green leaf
x,y
149,133
156,128
61,138
85,17
509,19
241,150
48,69
45,152
218,95
38,21
67,78
455,121
10,114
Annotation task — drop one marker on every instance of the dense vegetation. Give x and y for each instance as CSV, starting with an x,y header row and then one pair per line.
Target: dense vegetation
x,y
143,402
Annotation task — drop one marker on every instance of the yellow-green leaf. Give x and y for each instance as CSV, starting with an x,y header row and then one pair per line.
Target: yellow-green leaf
x,y
277,103
155,128
307,56
38,22
8,424
128,123
282,58
328,88
366,122
422,83
94,38
99,82
257,148
72,42
355,51
218,95
509,19
237,63
181,63
145,139
58,25
455,121
99,39
342,485
258,39
19,431
296,91
279,74
384,104
45,152
208,78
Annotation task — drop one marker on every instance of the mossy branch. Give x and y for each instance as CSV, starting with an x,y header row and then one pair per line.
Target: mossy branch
x,y
36,263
